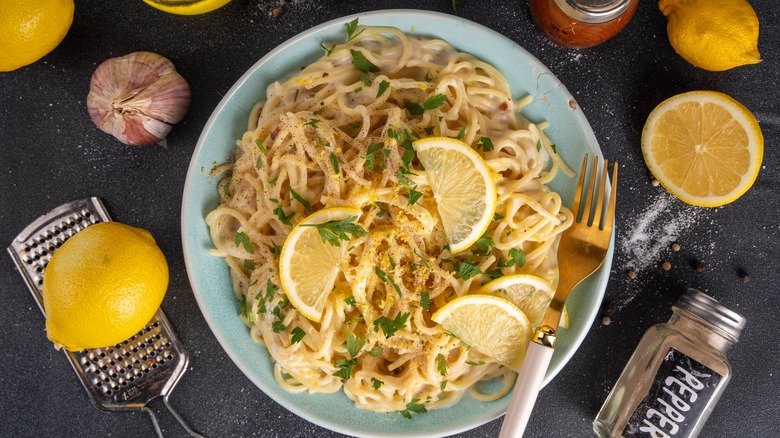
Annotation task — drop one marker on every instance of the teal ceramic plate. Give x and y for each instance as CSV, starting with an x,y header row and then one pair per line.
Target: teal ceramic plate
x,y
209,275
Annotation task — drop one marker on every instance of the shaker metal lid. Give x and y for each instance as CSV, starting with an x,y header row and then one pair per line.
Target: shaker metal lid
x,y
594,11
712,311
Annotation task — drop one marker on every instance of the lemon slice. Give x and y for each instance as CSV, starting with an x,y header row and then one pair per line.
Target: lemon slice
x,y
491,324
308,267
529,293
704,147
192,7
463,187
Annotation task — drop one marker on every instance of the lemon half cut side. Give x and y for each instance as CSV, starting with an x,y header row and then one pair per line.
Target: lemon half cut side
x,y
704,147
308,267
462,186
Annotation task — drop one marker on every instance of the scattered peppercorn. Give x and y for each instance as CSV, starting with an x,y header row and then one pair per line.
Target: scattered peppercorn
x,y
744,277
675,247
666,265
699,266
276,12
631,274
606,320
654,182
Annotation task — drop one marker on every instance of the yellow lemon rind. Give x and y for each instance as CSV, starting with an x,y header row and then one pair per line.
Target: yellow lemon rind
x,y
195,8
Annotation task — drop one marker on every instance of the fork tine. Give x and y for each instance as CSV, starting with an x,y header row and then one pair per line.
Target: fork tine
x,y
609,221
575,205
600,201
591,188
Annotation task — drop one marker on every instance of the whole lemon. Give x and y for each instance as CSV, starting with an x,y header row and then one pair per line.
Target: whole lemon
x,y
102,286
715,35
30,29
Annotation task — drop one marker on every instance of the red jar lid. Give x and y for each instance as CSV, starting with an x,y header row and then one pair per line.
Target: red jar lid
x,y
594,11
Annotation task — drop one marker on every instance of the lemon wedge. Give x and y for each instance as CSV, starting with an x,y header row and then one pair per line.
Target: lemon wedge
x,y
462,186
309,266
529,293
491,324
704,147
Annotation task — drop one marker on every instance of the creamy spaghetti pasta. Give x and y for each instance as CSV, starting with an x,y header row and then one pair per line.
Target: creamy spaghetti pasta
x,y
337,133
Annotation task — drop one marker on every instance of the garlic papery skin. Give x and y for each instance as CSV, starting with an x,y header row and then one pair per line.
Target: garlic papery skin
x,y
137,98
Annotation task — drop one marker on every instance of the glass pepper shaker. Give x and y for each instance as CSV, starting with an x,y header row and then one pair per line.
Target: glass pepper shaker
x,y
676,375
581,23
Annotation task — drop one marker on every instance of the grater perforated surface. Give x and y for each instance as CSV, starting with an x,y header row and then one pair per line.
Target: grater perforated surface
x,y
123,376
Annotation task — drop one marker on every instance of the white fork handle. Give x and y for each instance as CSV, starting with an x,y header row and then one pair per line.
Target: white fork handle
x,y
529,382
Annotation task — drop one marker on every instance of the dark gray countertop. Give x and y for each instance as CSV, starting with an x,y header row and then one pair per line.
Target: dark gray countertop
x,y
51,153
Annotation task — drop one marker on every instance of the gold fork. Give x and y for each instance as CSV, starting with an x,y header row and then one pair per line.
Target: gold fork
x,y
581,252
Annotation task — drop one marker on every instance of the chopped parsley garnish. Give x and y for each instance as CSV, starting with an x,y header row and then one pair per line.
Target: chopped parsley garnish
x,y
248,265
376,351
422,259
430,103
468,270
259,145
390,326
404,180
443,385
428,78
413,407
345,368
328,50
371,155
382,88
335,231
243,240
484,244
297,335
497,217
482,362
259,162
226,188
376,383
350,300
270,290
300,199
352,28
312,122
485,143
414,196
278,327
354,344
441,364
462,133
517,257
284,218
425,300
538,145
363,65
334,161
386,279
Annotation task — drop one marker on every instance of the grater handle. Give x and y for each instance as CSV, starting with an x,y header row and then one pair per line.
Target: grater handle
x,y
175,414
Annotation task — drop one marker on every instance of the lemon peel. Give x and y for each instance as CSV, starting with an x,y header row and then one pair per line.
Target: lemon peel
x,y
714,35
102,286
195,7
31,29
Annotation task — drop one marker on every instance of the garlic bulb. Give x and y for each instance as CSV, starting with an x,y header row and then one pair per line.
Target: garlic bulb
x,y
137,98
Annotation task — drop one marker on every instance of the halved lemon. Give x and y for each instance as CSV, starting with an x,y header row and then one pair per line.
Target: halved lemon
x,y
704,147
462,186
491,324
529,293
308,267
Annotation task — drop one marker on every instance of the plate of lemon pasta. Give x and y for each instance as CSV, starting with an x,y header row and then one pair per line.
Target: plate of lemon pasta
x,y
371,217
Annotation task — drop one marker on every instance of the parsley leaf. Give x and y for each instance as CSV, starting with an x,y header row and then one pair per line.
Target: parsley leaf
x,y
351,28
350,300
386,279
518,256
430,103
243,240
413,407
425,300
498,217
468,270
485,243
441,364
376,351
485,143
414,196
354,344
328,50
297,335
376,383
345,368
390,326
334,161
285,219
259,145
461,133
300,199
278,327
382,88
336,230
361,63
